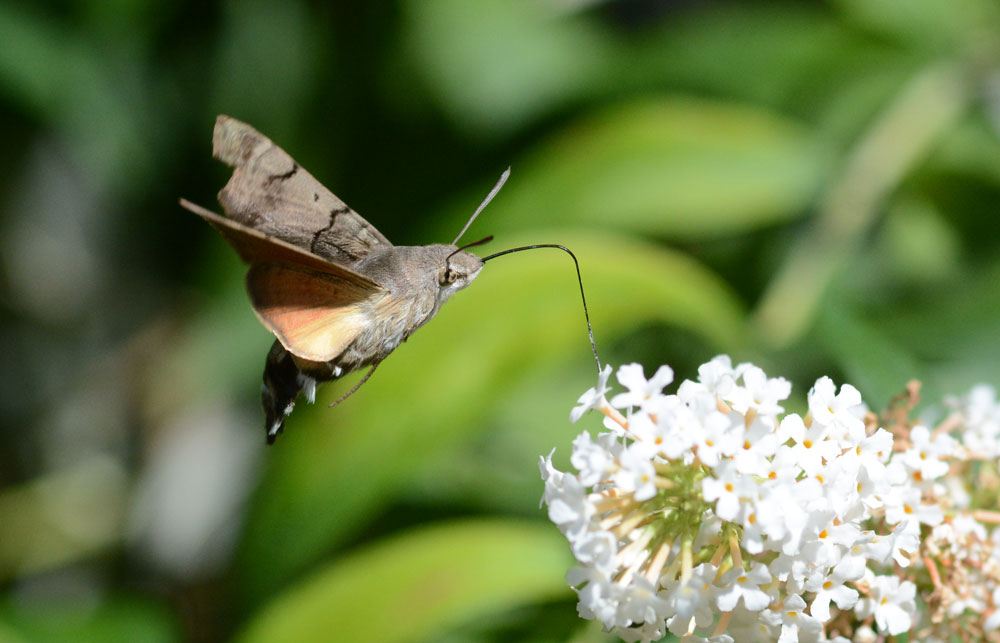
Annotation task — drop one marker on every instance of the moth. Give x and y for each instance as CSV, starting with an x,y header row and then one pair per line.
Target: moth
x,y
336,294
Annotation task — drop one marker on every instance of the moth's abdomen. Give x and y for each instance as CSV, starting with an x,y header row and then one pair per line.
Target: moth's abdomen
x,y
390,322
284,378
282,383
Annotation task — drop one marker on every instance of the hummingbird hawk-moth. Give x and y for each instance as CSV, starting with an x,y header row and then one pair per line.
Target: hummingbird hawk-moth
x,y
336,294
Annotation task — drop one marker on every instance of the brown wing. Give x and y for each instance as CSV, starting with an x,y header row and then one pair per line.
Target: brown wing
x,y
270,192
314,316
254,247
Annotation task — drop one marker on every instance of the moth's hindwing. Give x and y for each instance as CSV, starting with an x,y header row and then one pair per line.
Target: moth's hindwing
x,y
315,316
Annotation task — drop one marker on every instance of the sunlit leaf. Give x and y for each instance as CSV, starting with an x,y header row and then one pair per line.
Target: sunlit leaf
x,y
418,583
672,167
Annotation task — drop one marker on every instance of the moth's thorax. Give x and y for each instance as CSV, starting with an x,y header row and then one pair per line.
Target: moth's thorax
x,y
417,281
418,272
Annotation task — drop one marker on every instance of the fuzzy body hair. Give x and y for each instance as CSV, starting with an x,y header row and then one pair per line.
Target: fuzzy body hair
x,y
414,292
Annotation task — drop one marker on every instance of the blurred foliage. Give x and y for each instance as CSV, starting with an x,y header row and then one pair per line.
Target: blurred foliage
x,y
808,185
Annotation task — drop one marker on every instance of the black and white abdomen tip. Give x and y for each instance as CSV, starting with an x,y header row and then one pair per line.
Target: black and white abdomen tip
x,y
283,381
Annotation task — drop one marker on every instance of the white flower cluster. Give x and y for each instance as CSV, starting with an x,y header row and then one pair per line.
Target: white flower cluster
x,y
978,419
711,513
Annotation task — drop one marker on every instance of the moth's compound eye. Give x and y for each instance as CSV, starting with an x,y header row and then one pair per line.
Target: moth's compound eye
x,y
448,277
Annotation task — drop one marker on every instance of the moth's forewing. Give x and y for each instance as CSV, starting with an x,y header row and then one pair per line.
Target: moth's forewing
x,y
254,247
315,316
270,192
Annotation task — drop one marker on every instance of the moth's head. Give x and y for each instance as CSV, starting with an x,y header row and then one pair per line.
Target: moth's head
x,y
458,271
461,267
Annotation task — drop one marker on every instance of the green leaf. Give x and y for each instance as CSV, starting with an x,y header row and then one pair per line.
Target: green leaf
x,y
122,618
37,62
874,363
919,244
740,52
419,583
60,518
953,331
266,63
333,471
497,470
92,94
971,148
495,64
221,349
929,25
681,168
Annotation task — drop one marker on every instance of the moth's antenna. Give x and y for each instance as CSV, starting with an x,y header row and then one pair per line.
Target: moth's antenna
x,y
469,245
486,201
583,297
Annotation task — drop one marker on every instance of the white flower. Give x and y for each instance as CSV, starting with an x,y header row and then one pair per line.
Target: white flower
x,y
639,389
598,549
811,447
593,459
641,604
716,437
812,507
759,393
892,602
900,544
717,377
568,506
981,416
597,593
642,633
904,504
772,514
829,588
729,489
663,436
993,622
925,454
739,584
693,638
593,398
842,412
636,474
872,453
759,443
796,626
691,598
751,626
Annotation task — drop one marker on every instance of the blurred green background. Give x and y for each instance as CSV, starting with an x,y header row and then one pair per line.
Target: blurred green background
x,y
809,185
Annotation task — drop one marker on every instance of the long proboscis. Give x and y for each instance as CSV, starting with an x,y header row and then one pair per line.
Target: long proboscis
x,y
579,278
